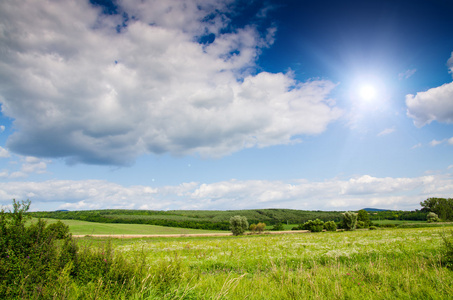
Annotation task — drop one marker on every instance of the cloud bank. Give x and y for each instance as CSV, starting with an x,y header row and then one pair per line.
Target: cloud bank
x,y
333,194
148,77
432,105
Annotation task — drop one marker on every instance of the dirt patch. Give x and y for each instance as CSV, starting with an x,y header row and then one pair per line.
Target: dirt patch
x,y
133,236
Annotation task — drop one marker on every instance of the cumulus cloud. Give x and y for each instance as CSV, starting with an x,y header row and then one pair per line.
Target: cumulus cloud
x,y
334,194
432,105
159,77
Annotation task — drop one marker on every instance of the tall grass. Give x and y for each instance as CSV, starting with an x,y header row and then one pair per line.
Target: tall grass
x,y
383,264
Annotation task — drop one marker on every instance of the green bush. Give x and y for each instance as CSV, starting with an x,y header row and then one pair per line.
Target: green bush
x,y
330,226
238,225
314,225
33,265
59,229
373,228
432,217
277,227
363,219
350,220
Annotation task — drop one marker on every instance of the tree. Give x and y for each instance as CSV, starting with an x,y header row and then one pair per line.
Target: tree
x,y
350,220
252,228
363,216
238,225
314,225
330,226
260,227
277,227
440,206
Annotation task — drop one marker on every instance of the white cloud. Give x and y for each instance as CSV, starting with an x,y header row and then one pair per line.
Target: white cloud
x,y
386,131
79,89
2,128
434,142
407,74
450,141
4,153
333,194
432,105
417,146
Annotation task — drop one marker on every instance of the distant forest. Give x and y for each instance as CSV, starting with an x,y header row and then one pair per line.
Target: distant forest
x,y
217,220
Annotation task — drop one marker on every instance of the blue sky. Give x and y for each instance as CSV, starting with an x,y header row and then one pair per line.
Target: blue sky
x,y
226,104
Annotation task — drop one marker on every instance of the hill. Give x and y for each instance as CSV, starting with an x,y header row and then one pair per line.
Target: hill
x,y
375,209
196,219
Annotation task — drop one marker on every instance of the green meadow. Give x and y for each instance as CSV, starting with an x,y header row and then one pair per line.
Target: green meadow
x,y
378,264
93,228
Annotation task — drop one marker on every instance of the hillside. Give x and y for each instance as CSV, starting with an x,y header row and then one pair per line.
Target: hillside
x,y
197,219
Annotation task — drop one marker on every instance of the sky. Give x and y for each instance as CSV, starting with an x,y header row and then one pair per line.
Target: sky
x,y
225,105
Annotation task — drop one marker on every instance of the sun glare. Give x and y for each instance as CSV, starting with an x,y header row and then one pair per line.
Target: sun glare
x,y
367,92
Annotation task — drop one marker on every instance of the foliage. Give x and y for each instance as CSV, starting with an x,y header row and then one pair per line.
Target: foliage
x,y
330,226
416,215
208,220
260,227
440,206
34,266
252,228
277,227
432,217
314,225
373,228
238,225
350,220
59,229
363,216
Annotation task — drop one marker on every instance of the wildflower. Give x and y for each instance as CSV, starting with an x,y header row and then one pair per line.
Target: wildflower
x,y
105,259
348,274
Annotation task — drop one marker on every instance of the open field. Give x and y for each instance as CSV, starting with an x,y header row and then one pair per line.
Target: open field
x,y
93,228
397,222
380,264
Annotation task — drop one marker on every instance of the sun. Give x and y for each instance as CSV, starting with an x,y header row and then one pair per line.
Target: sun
x,y
367,92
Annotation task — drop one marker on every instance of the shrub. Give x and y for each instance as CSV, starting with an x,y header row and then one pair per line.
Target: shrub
x,y
349,220
432,217
373,227
363,216
314,225
59,229
238,225
361,224
260,227
277,227
252,228
34,266
330,226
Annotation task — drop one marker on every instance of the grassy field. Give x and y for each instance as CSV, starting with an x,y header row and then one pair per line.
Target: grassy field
x,y
397,222
88,228
378,264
